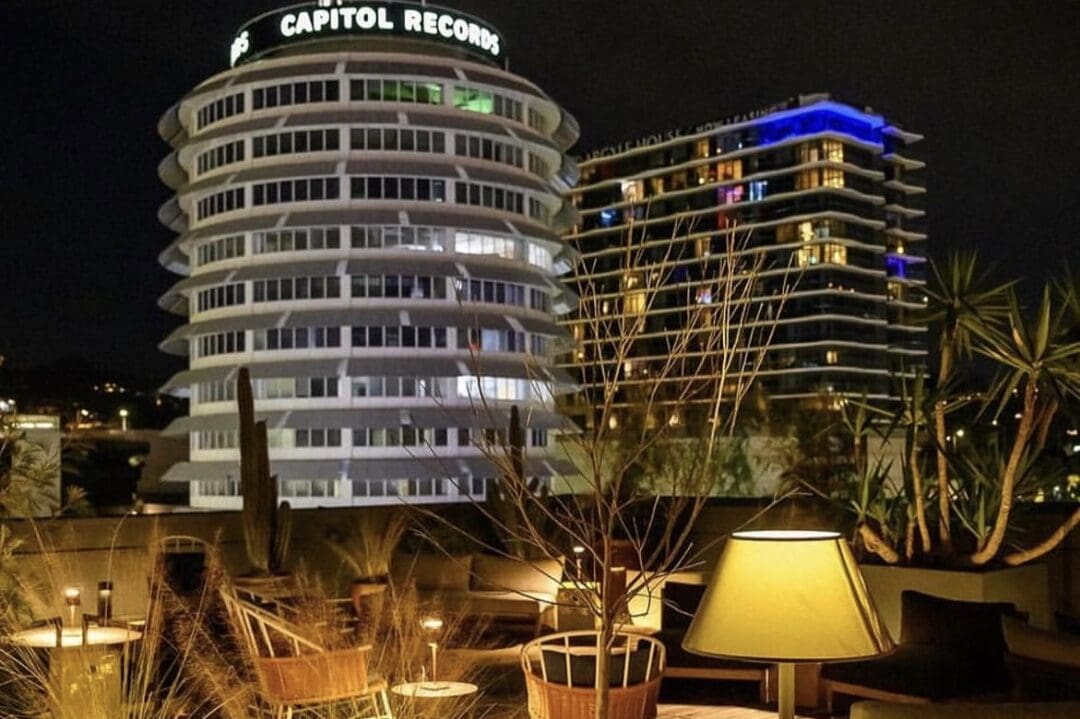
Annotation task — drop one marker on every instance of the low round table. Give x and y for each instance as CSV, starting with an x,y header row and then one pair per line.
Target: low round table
x,y
434,690
45,637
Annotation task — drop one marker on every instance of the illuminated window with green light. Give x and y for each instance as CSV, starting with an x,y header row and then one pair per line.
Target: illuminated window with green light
x,y
467,98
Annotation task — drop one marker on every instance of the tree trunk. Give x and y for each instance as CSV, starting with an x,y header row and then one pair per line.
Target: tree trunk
x,y
603,660
920,498
1008,480
876,544
944,500
944,508
1017,558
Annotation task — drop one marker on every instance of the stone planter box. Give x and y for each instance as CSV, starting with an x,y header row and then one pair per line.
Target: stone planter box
x,y
1028,587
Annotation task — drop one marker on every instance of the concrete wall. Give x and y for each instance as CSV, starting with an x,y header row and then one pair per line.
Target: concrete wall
x,y
79,549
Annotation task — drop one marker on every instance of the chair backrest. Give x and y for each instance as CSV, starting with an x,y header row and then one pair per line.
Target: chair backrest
x,y
569,659
291,668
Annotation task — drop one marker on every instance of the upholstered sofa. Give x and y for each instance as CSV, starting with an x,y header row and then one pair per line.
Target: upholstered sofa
x,y
479,585
680,601
885,710
947,651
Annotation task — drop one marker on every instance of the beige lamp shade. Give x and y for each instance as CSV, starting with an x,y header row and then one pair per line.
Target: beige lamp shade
x,y
787,596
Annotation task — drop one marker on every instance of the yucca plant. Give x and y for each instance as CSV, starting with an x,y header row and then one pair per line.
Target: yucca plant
x,y
975,490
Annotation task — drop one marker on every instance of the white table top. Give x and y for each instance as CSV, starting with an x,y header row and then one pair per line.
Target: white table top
x,y
434,690
45,637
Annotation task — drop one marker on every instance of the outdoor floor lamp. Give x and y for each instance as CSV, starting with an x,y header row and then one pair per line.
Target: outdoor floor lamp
x,y
787,597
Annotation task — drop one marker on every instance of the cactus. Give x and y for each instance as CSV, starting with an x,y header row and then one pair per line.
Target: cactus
x,y
267,527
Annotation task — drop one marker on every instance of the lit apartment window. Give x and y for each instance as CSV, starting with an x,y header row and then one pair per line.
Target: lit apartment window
x,y
832,177
633,190
731,170
832,357
833,150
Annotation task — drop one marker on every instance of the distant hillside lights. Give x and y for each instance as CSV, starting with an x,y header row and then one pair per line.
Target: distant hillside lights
x,y
343,18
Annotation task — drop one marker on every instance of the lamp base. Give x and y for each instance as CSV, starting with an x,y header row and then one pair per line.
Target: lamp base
x,y
785,685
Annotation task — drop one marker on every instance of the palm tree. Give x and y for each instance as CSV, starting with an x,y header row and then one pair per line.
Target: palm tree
x,y
962,300
1041,364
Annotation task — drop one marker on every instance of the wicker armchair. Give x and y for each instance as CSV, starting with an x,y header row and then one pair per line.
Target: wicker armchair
x,y
560,675
296,674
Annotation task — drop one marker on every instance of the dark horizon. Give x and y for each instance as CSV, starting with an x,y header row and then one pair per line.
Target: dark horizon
x,y
992,86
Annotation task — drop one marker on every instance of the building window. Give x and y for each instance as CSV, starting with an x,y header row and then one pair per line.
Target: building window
x,y
223,248
488,103
220,156
421,189
485,148
832,357
472,243
376,387
425,93
758,190
219,110
482,195
296,93
288,338
220,344
409,287
221,296
393,337
393,236
288,143
297,288
220,202
393,139
315,238
306,190
314,438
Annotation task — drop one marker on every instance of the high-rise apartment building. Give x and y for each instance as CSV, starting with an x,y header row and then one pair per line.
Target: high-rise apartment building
x,y
826,191
368,208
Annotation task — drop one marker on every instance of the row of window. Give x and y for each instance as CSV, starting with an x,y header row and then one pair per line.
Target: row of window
x,y
487,103
299,288
430,239
220,249
424,93
287,338
295,93
392,337
398,188
315,238
496,198
287,143
406,435
392,139
227,201
221,296
470,99
219,110
496,388
311,188
400,286
221,343
420,337
373,188
416,287
483,148
220,156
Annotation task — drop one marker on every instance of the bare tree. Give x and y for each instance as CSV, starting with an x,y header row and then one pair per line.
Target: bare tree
x,y
668,346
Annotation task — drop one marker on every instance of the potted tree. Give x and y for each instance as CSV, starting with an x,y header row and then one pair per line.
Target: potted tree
x,y
948,522
267,524
366,548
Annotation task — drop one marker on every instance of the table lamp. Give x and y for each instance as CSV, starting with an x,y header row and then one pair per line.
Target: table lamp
x,y
433,625
785,597
72,598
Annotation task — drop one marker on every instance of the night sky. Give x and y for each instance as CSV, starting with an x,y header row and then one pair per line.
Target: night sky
x,y
992,85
